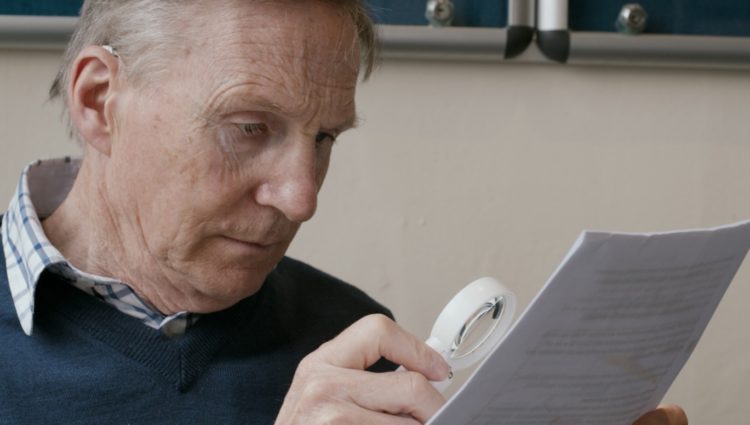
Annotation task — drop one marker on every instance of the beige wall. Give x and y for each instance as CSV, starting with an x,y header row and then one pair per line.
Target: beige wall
x,y
30,126
463,169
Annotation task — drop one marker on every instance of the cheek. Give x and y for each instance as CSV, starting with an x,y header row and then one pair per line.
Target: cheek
x,y
208,193
160,181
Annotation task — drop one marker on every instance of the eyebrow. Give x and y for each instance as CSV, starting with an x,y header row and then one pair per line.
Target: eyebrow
x,y
349,124
263,102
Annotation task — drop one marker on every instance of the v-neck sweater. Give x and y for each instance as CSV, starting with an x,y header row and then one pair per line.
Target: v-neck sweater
x,y
88,363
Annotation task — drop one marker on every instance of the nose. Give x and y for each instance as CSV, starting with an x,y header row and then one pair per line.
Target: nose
x,y
293,186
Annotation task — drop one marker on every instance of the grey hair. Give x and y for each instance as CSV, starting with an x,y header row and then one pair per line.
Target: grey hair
x,y
142,32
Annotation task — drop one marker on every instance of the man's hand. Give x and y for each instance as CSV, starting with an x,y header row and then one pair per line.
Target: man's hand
x,y
331,385
666,414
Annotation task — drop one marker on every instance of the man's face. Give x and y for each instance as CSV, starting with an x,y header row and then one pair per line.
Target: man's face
x,y
214,167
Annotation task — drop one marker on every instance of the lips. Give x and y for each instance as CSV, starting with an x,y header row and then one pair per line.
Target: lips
x,y
255,243
258,246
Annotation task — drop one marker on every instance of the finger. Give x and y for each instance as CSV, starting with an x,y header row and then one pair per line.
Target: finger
x,y
362,416
376,336
348,414
337,395
666,414
405,392
377,418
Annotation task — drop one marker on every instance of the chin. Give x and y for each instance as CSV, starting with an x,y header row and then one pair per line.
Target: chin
x,y
225,288
228,272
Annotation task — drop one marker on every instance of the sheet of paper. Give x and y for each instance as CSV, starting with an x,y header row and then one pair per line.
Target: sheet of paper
x,y
604,339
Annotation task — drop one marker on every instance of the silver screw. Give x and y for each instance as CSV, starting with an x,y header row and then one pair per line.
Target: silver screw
x,y
439,13
632,19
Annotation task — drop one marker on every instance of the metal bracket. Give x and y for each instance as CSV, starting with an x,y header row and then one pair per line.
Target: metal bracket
x,y
416,42
553,36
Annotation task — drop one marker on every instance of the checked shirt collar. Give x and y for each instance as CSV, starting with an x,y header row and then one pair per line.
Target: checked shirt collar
x,y
41,189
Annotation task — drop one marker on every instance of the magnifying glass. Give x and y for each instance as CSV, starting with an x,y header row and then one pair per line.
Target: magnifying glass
x,y
472,324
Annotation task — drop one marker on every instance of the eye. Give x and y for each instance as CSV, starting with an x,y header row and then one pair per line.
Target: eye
x,y
322,136
253,129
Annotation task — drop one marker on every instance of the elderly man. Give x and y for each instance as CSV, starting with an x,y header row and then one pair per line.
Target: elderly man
x,y
149,278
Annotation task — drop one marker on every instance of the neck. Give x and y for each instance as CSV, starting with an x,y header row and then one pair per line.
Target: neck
x,y
72,225
84,229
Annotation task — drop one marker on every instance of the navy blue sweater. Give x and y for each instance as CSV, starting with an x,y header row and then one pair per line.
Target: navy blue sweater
x,y
87,363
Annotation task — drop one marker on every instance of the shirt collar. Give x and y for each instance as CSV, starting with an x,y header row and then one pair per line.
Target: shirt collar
x,y
42,187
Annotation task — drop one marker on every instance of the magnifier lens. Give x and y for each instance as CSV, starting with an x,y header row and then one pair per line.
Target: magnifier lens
x,y
478,328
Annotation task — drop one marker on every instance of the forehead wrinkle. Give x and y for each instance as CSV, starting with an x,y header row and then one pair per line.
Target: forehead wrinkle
x,y
274,53
246,79
248,95
308,44
298,95
319,36
291,73
220,98
313,29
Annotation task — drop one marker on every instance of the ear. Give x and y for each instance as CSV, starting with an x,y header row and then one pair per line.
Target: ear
x,y
90,94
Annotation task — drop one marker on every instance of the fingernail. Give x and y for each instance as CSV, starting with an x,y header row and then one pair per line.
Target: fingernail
x,y
442,368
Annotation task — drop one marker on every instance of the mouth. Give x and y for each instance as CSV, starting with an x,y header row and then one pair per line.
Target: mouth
x,y
255,247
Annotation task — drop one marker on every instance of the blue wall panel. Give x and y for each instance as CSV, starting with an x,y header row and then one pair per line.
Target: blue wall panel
x,y
473,13
468,13
689,17
40,7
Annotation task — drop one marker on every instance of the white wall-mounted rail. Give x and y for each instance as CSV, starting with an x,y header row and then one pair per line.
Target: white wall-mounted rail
x,y
35,32
594,48
474,44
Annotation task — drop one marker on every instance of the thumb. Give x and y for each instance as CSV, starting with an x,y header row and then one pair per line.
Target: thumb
x,y
666,414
